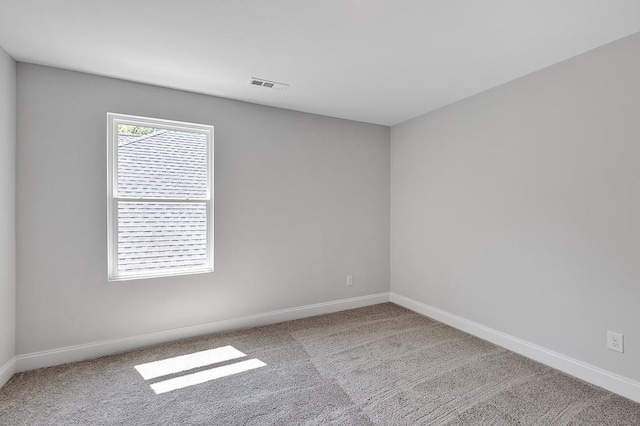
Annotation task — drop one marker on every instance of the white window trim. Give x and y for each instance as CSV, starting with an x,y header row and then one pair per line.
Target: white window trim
x,y
113,120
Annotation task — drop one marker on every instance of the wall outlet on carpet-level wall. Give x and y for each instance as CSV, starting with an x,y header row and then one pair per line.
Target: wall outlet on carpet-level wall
x,y
615,341
349,279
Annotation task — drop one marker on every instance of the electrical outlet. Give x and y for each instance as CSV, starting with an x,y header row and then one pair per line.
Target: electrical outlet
x,y
615,341
349,279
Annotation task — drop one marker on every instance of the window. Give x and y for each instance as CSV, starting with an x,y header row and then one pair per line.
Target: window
x,y
160,197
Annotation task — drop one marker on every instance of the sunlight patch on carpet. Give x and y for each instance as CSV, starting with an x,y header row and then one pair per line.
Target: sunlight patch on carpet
x,y
178,364
206,376
182,363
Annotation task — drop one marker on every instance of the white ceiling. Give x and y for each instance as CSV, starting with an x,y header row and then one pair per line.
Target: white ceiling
x,y
378,61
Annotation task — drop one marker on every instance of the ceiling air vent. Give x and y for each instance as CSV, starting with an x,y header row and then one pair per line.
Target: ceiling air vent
x,y
266,83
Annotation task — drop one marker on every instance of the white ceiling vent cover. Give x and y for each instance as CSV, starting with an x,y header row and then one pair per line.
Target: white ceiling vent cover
x,y
267,83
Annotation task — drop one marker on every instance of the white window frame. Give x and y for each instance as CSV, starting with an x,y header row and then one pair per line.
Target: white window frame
x,y
113,197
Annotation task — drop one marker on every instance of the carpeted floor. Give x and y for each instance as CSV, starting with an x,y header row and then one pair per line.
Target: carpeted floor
x,y
379,365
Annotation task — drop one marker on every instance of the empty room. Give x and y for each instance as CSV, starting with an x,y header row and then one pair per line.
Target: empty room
x,y
338,212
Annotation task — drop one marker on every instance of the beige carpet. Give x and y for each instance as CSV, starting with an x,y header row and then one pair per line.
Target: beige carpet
x,y
380,365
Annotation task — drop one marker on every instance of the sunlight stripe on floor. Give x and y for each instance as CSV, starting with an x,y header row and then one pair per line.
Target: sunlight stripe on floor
x,y
152,370
206,376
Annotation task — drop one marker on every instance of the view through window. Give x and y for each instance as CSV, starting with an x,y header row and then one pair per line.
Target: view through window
x,y
160,197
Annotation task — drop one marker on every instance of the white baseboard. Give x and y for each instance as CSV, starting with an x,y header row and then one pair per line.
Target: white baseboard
x,y
82,352
589,373
7,371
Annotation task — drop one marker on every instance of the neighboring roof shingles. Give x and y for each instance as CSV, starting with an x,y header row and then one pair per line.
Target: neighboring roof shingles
x,y
167,163
154,236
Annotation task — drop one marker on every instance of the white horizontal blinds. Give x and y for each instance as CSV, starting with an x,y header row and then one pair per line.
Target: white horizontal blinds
x,y
156,164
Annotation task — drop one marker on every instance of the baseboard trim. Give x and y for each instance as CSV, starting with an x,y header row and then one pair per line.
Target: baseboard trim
x,y
48,358
605,379
7,371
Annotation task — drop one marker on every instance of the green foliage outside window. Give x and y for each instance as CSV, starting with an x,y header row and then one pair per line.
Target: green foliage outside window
x,y
128,129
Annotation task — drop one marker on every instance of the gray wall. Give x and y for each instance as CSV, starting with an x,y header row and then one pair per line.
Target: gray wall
x,y
7,206
300,202
519,208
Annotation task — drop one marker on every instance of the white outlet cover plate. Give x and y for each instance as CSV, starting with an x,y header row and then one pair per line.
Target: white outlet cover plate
x,y
615,341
